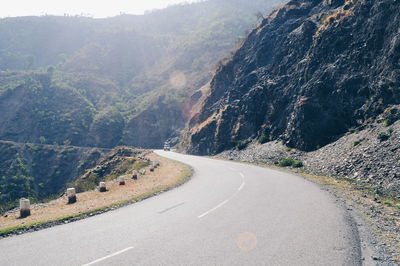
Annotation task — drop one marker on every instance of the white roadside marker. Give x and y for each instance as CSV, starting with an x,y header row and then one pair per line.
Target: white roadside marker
x,y
24,207
71,194
102,187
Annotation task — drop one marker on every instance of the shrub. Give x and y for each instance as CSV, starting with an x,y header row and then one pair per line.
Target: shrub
x,y
297,164
263,139
86,184
389,203
356,143
285,162
378,190
352,130
289,162
383,136
141,164
241,145
387,122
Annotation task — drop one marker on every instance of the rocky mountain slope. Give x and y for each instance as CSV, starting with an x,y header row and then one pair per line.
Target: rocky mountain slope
x,y
369,156
308,74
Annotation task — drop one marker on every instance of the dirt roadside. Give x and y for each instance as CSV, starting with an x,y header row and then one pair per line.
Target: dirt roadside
x,y
167,176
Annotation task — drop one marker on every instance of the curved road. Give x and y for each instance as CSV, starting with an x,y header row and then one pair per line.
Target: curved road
x,y
228,214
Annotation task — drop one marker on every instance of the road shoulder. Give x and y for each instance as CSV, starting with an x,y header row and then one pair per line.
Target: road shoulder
x,y
170,174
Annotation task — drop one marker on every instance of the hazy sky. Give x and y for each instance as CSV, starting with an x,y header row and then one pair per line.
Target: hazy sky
x,y
96,8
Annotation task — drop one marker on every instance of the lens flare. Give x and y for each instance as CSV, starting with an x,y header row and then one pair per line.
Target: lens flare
x,y
246,241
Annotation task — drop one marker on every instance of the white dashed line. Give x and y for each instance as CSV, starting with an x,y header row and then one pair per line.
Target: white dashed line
x,y
225,201
107,257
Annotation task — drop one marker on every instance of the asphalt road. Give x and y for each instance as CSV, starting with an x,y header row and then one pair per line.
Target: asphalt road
x,y
228,214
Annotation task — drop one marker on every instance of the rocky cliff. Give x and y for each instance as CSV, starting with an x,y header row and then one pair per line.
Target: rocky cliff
x,y
311,71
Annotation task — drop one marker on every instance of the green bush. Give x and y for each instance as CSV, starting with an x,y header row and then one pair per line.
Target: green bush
x,y
383,136
389,203
352,130
289,162
263,139
297,164
356,143
88,183
379,190
141,164
387,122
241,145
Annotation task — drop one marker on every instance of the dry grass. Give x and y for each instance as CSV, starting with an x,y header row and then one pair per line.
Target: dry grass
x,y
214,117
347,10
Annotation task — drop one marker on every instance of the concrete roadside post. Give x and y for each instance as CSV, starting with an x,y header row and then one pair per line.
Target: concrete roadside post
x,y
71,194
102,186
134,175
24,207
121,181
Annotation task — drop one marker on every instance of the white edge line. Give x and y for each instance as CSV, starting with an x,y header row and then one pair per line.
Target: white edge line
x,y
107,257
225,201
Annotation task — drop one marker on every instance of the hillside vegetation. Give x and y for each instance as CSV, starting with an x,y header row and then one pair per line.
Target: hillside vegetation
x,y
108,78
40,171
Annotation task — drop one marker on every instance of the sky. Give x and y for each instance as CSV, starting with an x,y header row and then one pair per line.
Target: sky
x,y
93,8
